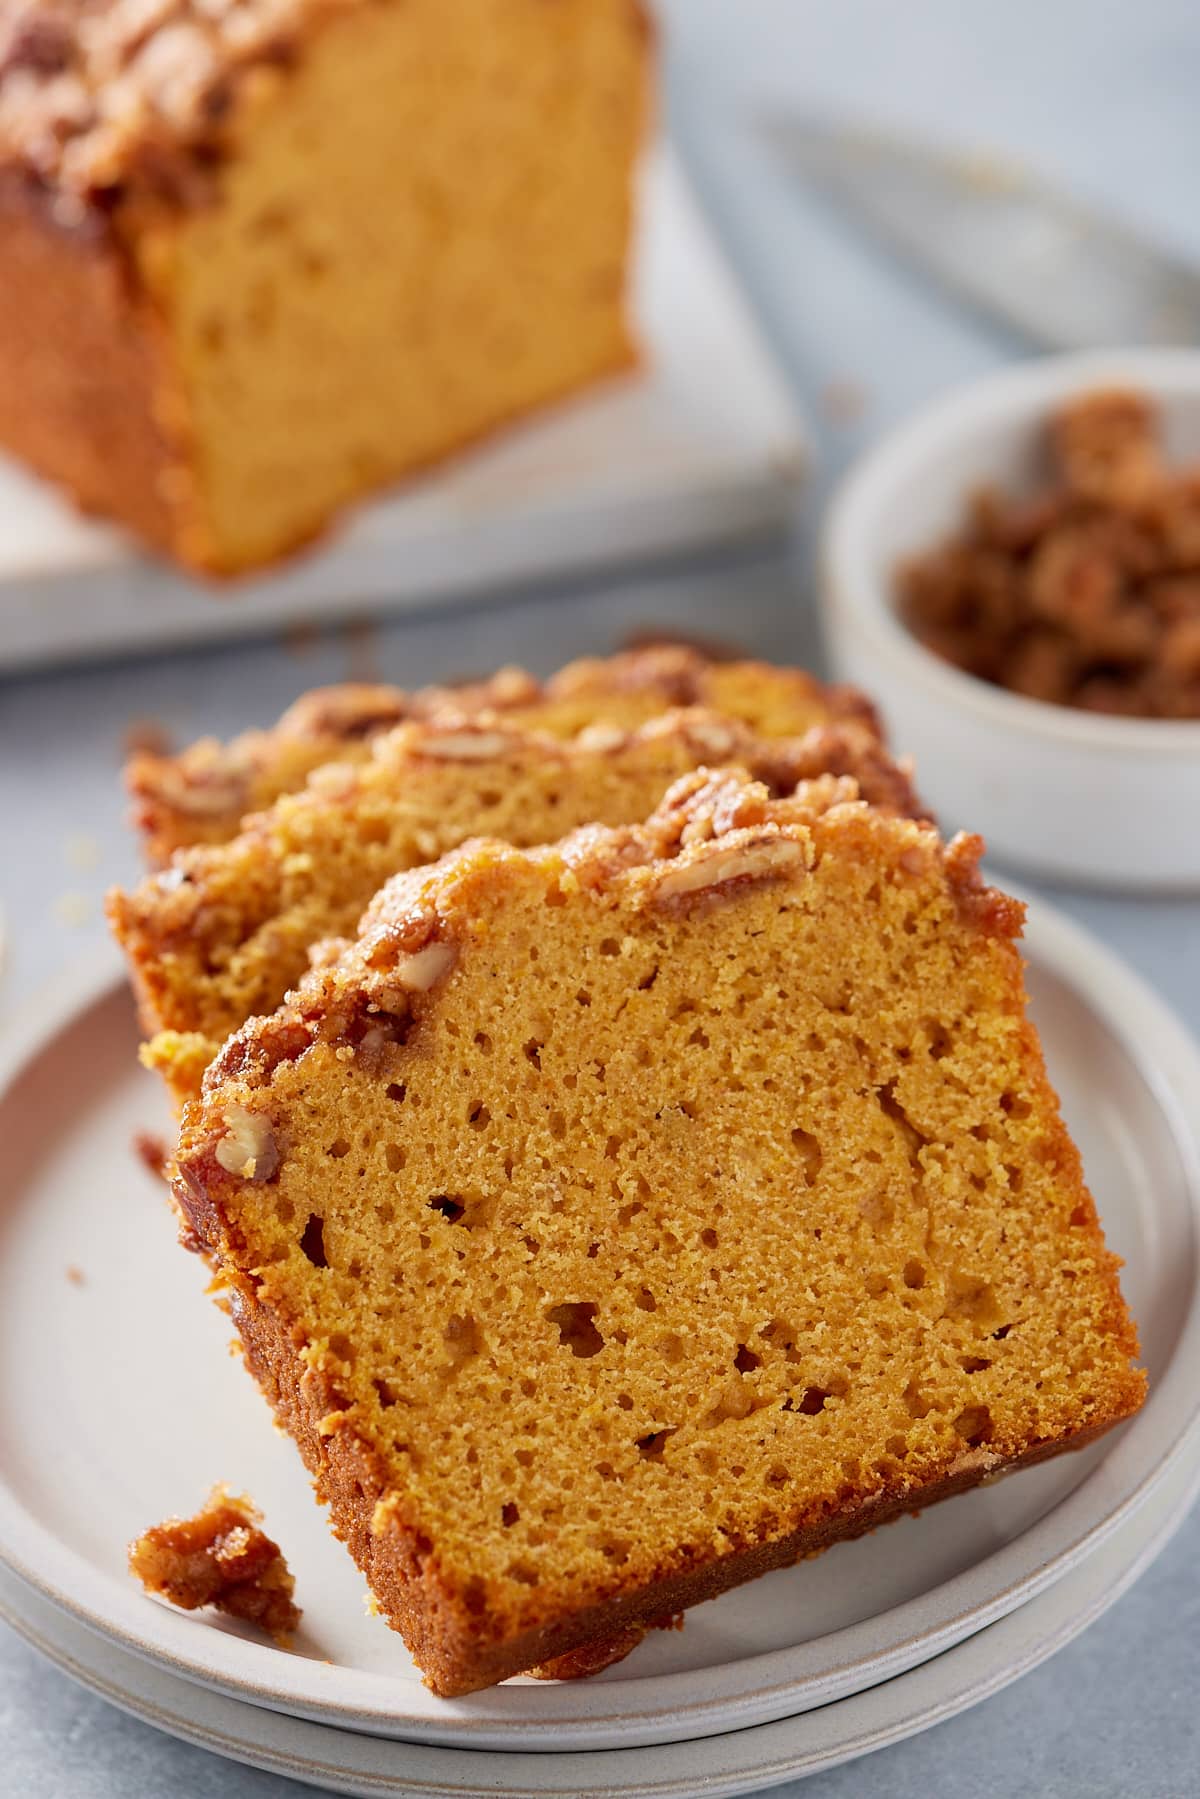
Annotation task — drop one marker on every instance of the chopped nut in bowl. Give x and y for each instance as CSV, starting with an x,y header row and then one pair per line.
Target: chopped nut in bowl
x,y
1087,595
1016,575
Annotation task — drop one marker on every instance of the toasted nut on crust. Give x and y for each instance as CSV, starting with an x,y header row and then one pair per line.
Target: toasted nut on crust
x,y
417,972
971,1459
751,861
249,1149
918,859
601,737
465,746
200,793
713,739
334,780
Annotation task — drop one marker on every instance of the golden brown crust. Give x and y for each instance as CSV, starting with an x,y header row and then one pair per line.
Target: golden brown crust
x,y
202,794
100,95
445,1640
711,828
690,676
84,376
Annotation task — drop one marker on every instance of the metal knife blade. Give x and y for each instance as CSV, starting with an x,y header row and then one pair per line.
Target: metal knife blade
x,y
1064,275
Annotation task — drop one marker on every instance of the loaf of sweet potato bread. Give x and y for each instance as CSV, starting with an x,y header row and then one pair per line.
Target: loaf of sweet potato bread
x,y
613,1222
260,257
202,794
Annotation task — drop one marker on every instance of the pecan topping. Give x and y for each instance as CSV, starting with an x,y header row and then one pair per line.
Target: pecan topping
x,y
744,861
464,746
249,1148
418,972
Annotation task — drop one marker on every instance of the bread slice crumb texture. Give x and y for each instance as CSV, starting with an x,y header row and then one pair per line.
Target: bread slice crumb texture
x,y
652,1210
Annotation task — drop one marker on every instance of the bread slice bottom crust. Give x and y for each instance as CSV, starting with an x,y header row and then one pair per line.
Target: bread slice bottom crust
x,y
443,1637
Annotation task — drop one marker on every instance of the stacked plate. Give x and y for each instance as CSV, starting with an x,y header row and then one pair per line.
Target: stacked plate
x,y
118,1406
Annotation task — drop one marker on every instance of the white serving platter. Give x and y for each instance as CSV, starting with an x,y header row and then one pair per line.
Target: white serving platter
x,y
119,1406
743,1761
701,446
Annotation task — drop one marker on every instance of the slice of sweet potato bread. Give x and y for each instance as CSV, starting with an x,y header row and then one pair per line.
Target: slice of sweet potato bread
x,y
614,1222
226,930
202,794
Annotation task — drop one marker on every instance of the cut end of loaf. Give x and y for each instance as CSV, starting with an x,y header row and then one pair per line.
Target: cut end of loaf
x,y
364,301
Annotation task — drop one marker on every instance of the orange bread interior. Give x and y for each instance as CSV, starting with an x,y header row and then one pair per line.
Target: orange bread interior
x,y
227,929
613,1222
202,794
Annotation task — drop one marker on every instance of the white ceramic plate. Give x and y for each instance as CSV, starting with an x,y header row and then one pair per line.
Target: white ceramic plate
x,y
118,1406
743,1761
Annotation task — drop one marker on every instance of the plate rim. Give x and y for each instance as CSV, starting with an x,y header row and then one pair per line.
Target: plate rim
x,y
911,1703
923,1626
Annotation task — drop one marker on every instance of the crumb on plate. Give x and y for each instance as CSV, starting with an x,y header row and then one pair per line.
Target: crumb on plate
x,y
220,1557
361,637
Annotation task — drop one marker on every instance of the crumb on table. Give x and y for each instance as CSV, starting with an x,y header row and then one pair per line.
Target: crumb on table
x,y
147,737
361,638
843,402
300,636
220,1557
74,909
606,1652
81,851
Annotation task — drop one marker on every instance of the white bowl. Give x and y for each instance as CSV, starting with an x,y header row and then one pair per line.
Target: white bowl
x,y
1074,795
